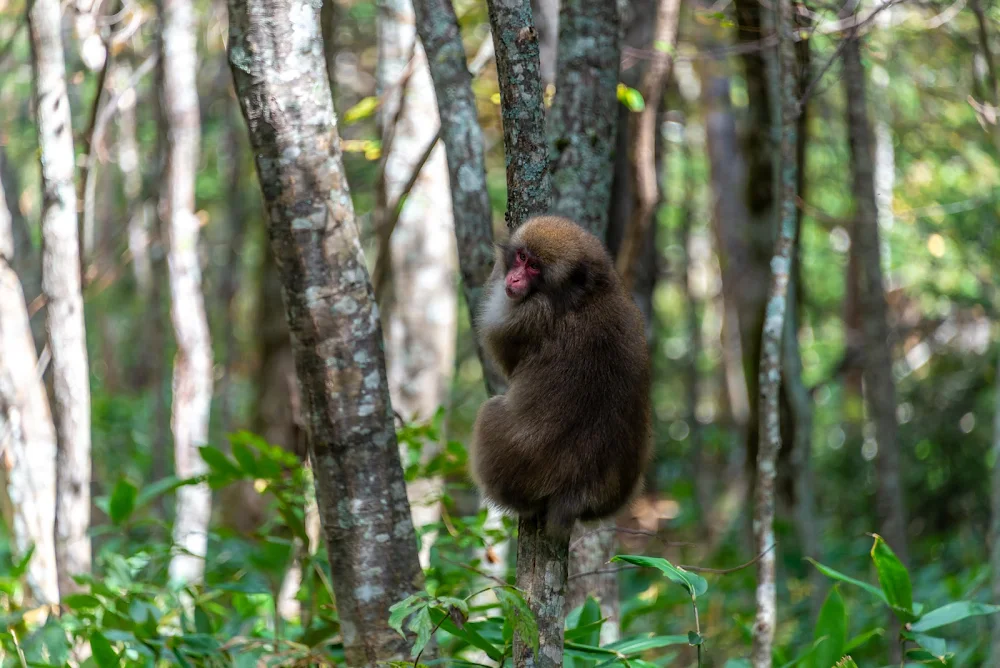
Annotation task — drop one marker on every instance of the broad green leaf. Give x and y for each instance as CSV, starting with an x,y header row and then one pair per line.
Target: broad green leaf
x,y
641,644
104,653
936,646
219,462
831,630
421,625
122,501
398,612
471,636
82,602
246,458
837,575
695,584
894,578
951,613
21,567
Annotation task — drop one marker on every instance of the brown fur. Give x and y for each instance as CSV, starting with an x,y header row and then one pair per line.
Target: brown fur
x,y
571,437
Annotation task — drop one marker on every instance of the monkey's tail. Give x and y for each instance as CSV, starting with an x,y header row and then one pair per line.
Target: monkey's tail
x,y
559,520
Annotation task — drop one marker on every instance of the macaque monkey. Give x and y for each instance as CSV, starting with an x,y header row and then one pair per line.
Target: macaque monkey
x,y
571,437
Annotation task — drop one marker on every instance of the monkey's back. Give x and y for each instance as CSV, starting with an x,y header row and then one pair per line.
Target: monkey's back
x,y
585,394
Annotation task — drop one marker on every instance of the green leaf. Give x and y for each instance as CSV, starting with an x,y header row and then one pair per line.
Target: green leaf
x,y
836,575
82,602
894,578
21,567
631,98
936,646
398,612
695,584
862,638
219,462
642,644
471,636
104,653
831,629
246,458
421,625
150,492
363,109
951,613
517,612
122,501
587,630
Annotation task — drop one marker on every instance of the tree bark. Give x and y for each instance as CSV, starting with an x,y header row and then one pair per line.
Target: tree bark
x,y
541,561
582,131
192,382
546,17
276,55
880,387
27,434
771,337
421,311
529,184
61,287
463,139
583,120
643,131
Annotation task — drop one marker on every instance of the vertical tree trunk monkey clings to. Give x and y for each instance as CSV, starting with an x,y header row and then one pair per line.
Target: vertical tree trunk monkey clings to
x,y
571,437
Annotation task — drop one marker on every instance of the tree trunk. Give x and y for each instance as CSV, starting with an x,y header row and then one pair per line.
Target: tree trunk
x,y
462,136
541,561
61,287
766,620
583,120
27,434
192,382
546,15
582,130
276,56
880,388
421,311
643,130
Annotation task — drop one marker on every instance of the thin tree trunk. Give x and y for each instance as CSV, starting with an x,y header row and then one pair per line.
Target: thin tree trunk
x,y
276,56
462,136
27,434
192,382
541,560
421,311
583,120
582,130
766,620
546,15
61,287
643,131
529,183
880,388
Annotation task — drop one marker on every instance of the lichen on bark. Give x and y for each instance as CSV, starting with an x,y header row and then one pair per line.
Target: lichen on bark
x,y
276,56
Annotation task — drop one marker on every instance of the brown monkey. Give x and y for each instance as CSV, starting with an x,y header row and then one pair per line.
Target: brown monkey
x,y
570,438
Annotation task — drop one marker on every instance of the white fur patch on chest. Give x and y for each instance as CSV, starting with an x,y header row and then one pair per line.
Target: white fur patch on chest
x,y
495,307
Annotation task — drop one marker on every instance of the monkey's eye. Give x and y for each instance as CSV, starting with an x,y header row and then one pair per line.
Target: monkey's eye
x,y
521,257
532,266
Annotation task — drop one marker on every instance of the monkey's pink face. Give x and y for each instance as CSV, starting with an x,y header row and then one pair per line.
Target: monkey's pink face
x,y
522,275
